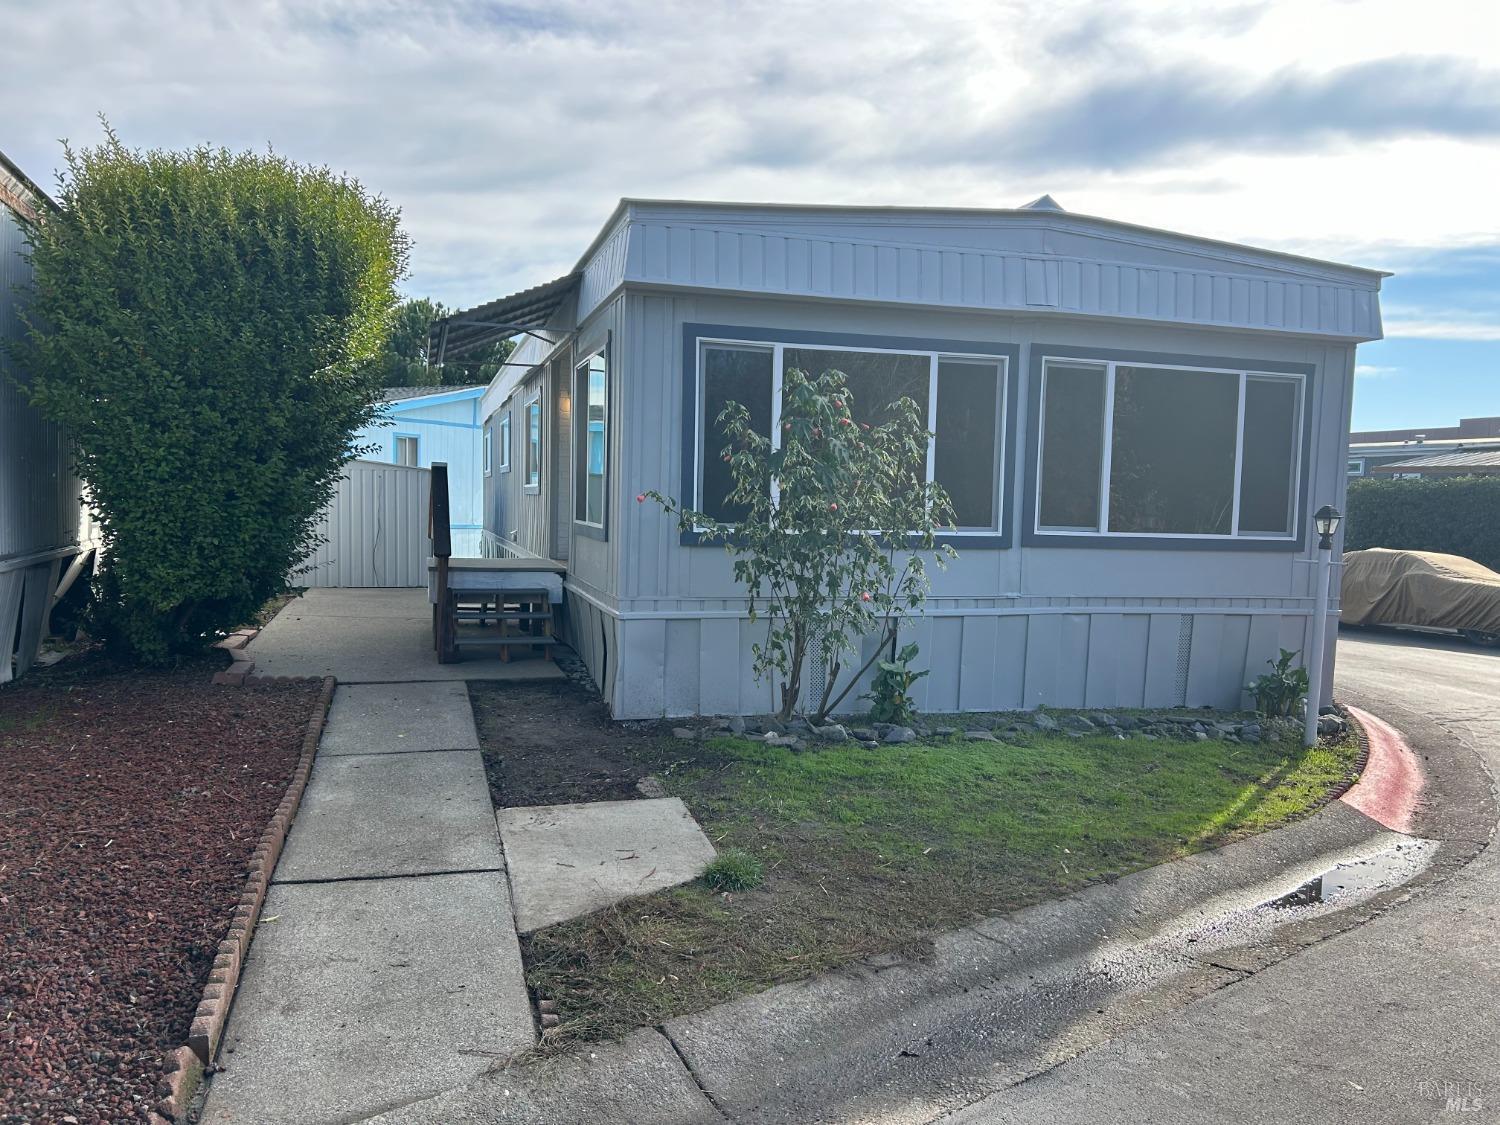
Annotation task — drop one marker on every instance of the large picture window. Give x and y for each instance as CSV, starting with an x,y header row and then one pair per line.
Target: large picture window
x,y
1145,450
961,398
591,406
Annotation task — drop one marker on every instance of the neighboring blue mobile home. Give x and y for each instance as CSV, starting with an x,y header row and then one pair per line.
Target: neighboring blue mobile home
x,y
1136,425
429,424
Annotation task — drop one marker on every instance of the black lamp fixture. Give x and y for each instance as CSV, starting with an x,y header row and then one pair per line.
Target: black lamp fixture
x,y
1326,520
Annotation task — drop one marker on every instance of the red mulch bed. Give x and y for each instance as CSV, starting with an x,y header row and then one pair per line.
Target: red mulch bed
x,y
129,806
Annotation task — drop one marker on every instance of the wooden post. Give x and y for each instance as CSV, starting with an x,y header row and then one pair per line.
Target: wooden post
x,y
442,549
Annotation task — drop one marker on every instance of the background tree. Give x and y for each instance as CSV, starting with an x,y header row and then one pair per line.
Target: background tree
x,y
204,324
837,551
403,362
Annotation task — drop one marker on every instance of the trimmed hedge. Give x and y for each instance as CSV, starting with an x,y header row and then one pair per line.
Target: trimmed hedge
x,y
1454,515
204,325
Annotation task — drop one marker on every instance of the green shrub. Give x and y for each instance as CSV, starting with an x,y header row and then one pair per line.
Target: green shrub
x,y
204,323
889,695
1276,692
734,870
1454,515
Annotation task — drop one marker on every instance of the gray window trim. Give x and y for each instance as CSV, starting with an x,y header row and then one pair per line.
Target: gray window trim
x,y
1032,537
534,399
504,428
692,333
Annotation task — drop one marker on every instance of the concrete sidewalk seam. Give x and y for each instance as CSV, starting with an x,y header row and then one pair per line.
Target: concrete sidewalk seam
x,y
378,878
687,1065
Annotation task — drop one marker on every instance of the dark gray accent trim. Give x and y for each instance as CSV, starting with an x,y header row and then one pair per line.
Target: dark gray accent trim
x,y
580,447
1030,537
692,333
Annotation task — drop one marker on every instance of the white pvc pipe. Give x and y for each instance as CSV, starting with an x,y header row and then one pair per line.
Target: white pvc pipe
x,y
1315,657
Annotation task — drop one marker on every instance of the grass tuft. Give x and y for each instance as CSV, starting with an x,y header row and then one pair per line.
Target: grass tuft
x,y
734,869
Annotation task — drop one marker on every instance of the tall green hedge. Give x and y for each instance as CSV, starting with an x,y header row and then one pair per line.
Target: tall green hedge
x,y
203,323
1455,515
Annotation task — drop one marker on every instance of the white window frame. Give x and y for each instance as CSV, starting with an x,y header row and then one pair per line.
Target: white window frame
x,y
581,408
529,485
505,441
416,450
778,349
1101,529
486,452
1356,467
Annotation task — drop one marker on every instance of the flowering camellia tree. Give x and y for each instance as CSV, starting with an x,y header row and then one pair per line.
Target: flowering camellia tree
x,y
839,523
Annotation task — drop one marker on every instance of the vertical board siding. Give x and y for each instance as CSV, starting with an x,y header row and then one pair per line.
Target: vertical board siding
x,y
374,531
830,263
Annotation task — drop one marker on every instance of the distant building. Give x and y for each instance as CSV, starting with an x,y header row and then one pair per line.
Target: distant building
x,y
1459,463
430,424
1376,450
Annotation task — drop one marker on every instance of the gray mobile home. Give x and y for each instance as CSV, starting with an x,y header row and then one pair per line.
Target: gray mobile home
x,y
47,538
1135,426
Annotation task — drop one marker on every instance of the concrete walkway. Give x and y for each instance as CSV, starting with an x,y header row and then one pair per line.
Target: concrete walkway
x,y
386,966
370,636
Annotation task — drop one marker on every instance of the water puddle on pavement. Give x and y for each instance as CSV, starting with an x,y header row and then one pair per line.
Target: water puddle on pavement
x,y
1353,882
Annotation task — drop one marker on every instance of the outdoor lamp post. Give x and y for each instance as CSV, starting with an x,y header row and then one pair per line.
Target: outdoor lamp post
x,y
1325,522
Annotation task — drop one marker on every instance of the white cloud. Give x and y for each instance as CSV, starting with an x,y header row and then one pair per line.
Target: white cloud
x,y
1451,329
506,131
1372,371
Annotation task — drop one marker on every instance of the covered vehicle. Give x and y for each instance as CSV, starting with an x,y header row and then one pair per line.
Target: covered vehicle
x,y
1421,589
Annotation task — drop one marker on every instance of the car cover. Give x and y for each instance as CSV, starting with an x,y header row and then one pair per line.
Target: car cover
x,y
1384,587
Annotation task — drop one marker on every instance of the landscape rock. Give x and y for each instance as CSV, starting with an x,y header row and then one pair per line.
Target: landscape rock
x,y
862,734
900,734
687,734
979,736
1331,724
833,732
1077,723
735,724
1043,721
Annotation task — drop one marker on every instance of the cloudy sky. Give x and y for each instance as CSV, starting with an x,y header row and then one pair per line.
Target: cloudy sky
x,y
1361,130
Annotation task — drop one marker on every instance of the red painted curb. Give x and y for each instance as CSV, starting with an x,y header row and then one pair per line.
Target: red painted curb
x,y
218,993
1391,785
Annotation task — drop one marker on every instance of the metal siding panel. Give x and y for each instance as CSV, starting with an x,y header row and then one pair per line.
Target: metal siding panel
x,y
841,280
819,266
953,278
727,259
977,656
909,274
776,262
930,275
1233,645
704,272
798,265
753,261
719,660
1010,662
1161,660
681,667
682,252
973,280
1102,661
1203,687
944,658
866,282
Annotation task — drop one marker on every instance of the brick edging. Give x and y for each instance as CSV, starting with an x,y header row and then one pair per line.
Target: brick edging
x,y
1361,760
184,1066
243,664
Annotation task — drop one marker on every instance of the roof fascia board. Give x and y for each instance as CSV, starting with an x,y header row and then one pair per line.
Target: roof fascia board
x,y
397,405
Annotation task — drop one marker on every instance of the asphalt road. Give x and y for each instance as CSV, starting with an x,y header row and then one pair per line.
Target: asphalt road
x,y
1396,1021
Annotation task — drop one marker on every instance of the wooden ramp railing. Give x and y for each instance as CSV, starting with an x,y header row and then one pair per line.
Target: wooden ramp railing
x,y
495,599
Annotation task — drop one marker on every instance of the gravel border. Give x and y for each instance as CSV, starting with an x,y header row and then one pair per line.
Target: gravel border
x,y
185,1065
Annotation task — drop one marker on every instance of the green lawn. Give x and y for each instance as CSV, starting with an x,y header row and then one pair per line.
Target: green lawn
x,y
870,850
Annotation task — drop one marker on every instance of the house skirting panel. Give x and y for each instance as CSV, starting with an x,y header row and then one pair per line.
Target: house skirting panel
x,y
683,665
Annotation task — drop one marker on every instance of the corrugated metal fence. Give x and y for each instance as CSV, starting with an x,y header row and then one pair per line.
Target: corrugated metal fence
x,y
375,530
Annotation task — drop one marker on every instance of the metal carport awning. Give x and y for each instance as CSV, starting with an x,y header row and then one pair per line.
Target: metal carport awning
x,y
525,311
